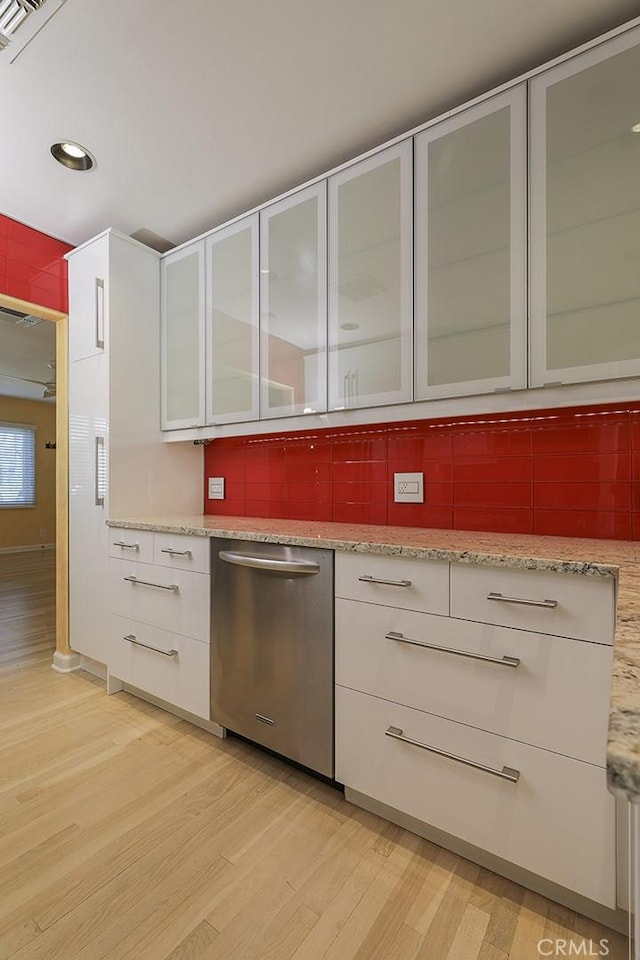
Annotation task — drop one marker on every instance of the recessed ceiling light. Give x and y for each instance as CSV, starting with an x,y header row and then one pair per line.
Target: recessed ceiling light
x,y
635,128
72,155
348,325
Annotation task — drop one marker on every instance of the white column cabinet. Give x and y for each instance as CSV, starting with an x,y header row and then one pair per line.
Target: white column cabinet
x,y
585,216
117,461
231,270
470,250
182,330
370,280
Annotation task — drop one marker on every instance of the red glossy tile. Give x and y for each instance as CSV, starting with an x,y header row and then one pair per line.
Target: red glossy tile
x,y
309,451
276,509
264,464
232,471
491,443
306,510
351,471
582,523
434,445
360,513
225,508
635,529
502,520
494,470
420,515
309,492
267,490
360,449
308,471
598,437
582,496
582,467
635,431
377,492
492,495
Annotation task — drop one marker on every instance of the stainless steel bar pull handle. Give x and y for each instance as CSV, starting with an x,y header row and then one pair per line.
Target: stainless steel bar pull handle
x,y
126,546
389,583
295,567
506,773
176,553
138,643
549,604
99,313
100,471
147,583
501,661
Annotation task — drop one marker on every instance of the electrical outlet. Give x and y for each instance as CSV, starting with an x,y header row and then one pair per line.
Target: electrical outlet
x,y
408,487
216,488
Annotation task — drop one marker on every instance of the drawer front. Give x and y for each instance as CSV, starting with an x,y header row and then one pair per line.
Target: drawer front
x,y
168,666
131,544
537,692
557,821
410,584
181,551
566,605
175,600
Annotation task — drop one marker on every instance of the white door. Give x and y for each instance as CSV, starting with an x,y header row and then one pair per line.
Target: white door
x,y
293,304
182,338
370,285
232,322
585,216
470,251
88,299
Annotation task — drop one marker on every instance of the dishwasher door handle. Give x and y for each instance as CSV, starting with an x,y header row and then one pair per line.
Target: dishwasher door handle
x,y
297,568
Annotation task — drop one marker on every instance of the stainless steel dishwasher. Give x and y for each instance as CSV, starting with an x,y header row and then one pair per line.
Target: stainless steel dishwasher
x,y
272,647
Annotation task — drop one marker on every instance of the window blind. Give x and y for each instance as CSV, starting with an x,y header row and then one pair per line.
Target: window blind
x,y
17,465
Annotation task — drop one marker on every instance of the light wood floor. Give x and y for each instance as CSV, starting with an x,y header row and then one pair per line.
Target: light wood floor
x,y
129,834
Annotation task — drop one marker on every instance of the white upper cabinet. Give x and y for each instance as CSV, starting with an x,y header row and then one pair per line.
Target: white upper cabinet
x,y
585,216
293,304
470,250
88,300
182,338
232,322
370,281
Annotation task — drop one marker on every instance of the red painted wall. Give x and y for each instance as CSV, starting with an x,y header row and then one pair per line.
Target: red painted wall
x,y
566,472
32,266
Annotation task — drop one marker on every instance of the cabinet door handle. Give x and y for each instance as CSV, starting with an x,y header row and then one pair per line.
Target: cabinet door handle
x,y
99,306
100,471
346,390
548,604
354,385
501,661
147,583
127,546
138,643
176,553
506,773
389,583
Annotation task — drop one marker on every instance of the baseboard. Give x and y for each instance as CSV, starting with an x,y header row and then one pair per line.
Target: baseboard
x,y
94,667
28,548
615,919
66,662
209,725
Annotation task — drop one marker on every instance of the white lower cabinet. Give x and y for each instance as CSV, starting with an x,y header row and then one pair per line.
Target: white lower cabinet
x,y
159,623
486,723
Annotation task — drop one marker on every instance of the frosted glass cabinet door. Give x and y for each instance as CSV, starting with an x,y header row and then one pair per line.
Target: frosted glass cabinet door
x,y
585,216
182,338
370,271
293,311
470,250
232,322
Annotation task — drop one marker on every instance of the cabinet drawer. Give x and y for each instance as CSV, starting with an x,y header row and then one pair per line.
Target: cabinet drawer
x,y
410,584
557,821
564,604
168,666
176,600
181,551
131,544
550,692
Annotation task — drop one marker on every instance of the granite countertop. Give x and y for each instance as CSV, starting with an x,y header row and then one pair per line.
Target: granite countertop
x,y
617,558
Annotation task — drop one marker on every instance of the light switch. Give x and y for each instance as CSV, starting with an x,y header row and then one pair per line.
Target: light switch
x,y
216,488
408,487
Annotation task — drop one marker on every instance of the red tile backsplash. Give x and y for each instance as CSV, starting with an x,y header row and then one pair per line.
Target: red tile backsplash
x,y
32,265
566,472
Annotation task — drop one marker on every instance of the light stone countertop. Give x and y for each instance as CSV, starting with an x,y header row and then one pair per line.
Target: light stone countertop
x,y
617,558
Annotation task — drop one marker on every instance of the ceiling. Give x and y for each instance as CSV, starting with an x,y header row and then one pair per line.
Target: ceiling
x,y
198,110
